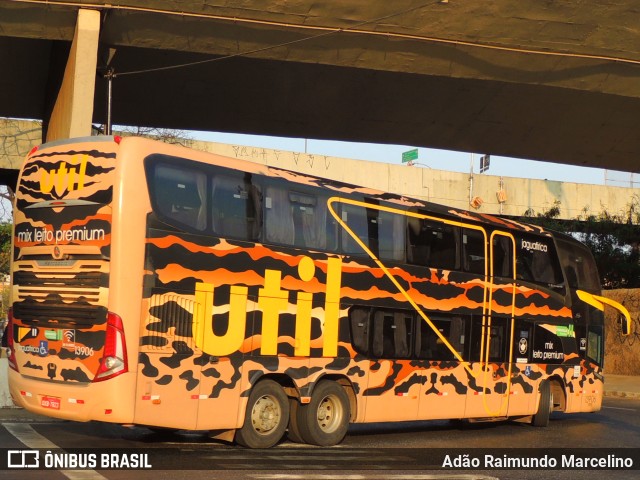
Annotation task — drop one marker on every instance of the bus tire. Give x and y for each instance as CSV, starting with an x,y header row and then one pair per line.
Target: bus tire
x,y
324,421
541,417
266,417
293,432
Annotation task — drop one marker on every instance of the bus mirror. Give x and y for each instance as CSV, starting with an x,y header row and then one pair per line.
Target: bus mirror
x,y
599,302
624,325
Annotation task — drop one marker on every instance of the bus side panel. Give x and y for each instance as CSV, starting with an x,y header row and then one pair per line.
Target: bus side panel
x,y
214,323
584,387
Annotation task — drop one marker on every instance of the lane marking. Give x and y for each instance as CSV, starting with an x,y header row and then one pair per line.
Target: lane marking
x,y
436,476
27,435
32,439
621,408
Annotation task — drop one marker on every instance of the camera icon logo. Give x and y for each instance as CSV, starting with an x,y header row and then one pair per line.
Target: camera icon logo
x,y
23,459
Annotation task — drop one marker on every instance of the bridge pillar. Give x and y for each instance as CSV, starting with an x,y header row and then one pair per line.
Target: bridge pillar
x,y
73,109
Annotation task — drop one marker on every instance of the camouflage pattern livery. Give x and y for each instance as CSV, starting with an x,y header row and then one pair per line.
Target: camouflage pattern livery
x,y
208,317
63,211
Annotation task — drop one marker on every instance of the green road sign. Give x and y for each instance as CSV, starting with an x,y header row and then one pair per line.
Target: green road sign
x,y
410,155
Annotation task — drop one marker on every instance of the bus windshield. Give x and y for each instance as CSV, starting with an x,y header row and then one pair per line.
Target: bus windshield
x,y
579,266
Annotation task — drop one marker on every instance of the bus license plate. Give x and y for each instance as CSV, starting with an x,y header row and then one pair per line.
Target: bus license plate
x,y
50,402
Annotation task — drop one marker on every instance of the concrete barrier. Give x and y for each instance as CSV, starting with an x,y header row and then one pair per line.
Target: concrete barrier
x,y
5,397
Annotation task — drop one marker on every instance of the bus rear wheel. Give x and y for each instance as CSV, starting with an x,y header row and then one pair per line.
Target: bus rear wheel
x,y
293,432
541,417
324,421
266,417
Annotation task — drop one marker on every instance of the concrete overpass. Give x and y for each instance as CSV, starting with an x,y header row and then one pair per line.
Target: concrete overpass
x,y
486,193
555,81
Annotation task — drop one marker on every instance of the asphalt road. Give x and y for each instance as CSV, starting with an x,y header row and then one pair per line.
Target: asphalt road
x,y
398,451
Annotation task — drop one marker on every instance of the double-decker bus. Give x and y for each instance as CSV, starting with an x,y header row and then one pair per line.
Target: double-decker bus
x,y
164,287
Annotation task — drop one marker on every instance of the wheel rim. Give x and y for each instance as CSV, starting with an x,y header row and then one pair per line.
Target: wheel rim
x,y
330,413
266,415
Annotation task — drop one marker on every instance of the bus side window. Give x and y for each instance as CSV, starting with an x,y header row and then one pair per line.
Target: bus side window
x,y
431,347
357,220
392,334
473,244
381,232
391,231
432,244
299,219
313,228
495,339
360,319
279,222
502,257
595,343
180,195
236,207
418,249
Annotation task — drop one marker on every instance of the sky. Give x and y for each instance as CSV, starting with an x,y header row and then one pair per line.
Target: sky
x,y
430,158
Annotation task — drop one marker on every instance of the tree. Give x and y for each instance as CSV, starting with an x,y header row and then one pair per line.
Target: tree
x,y
614,240
166,135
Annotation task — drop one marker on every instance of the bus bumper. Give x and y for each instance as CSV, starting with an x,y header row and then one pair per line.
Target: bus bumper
x,y
108,401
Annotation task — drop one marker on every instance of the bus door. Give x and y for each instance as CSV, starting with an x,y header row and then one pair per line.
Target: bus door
x,y
492,332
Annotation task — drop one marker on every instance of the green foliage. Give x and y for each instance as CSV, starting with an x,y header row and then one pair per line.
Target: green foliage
x,y
614,240
5,247
5,265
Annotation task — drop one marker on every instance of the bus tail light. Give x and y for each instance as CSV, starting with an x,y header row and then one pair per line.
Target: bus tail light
x,y
13,364
114,357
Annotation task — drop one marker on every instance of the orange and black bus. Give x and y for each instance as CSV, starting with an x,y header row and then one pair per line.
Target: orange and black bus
x,y
165,287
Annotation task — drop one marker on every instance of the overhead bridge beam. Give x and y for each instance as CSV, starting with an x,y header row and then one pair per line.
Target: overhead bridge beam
x,y
72,112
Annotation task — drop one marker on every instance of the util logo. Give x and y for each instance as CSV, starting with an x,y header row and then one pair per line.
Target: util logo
x,y
65,178
272,302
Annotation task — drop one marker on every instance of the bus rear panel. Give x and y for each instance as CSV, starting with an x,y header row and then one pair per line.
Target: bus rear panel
x,y
63,337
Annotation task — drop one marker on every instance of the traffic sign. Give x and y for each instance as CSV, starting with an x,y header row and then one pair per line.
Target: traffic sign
x,y
410,155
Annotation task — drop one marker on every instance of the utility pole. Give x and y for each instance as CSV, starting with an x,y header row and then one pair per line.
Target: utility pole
x,y
471,181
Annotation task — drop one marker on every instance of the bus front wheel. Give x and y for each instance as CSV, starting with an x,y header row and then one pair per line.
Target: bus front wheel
x,y
541,417
324,421
266,417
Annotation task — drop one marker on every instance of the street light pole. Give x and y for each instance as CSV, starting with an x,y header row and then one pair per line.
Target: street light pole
x,y
109,77
471,181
